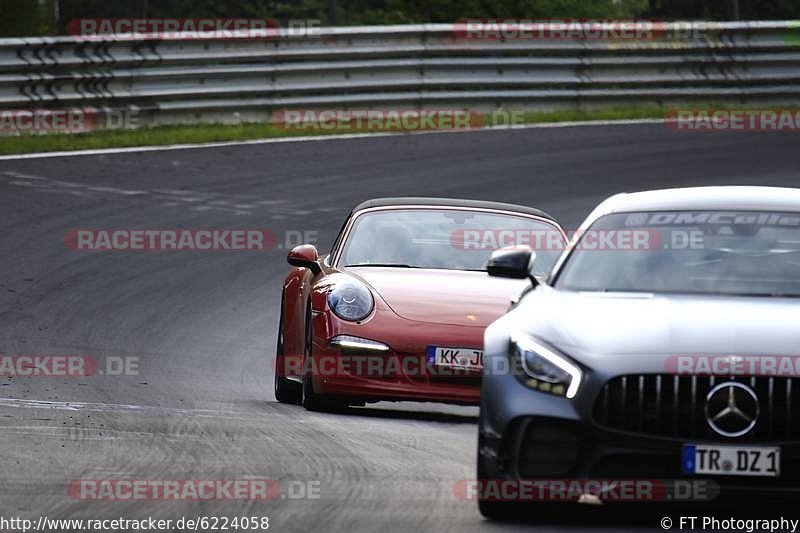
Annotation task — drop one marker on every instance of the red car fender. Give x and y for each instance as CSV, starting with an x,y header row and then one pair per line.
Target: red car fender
x,y
296,291
319,316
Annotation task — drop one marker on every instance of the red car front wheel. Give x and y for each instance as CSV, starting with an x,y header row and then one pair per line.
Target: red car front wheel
x,y
286,391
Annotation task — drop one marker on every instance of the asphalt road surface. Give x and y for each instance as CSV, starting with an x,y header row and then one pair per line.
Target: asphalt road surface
x,y
202,325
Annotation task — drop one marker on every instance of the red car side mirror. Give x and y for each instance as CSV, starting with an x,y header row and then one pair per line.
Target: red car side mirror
x,y
305,256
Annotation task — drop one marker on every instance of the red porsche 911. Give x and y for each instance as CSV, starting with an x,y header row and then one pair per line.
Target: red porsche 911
x,y
397,310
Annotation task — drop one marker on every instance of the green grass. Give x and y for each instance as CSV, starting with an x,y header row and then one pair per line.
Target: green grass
x,y
155,136
202,133
575,115
792,35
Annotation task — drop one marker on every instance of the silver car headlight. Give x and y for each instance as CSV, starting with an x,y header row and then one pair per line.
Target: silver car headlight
x,y
545,370
351,300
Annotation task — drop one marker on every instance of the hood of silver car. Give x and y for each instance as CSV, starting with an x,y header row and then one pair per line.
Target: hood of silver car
x,y
609,325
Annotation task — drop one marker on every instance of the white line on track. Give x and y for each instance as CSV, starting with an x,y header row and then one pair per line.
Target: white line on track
x,y
103,407
331,137
75,433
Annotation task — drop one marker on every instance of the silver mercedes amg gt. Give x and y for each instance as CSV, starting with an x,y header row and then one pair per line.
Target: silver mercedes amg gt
x,y
663,346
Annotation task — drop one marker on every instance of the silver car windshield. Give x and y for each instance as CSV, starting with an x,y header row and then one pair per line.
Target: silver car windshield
x,y
452,239
708,252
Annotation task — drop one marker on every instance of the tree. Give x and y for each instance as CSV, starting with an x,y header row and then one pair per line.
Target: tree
x,y
19,18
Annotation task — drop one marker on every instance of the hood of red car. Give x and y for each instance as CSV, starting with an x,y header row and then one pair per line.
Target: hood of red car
x,y
442,296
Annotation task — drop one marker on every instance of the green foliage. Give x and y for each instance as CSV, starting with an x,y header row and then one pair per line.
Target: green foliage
x,y
37,17
725,9
19,18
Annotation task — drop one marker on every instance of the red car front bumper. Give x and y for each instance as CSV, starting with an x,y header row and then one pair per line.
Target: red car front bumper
x,y
402,373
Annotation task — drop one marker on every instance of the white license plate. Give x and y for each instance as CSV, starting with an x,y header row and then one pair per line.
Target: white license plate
x,y
731,460
467,358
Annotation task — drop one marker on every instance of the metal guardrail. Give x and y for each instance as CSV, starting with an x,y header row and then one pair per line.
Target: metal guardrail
x,y
419,66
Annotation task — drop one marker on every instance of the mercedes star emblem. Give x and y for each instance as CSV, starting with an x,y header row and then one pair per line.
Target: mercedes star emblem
x,y
732,409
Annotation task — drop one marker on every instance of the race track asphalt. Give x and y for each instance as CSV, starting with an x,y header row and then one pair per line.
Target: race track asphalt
x,y
202,325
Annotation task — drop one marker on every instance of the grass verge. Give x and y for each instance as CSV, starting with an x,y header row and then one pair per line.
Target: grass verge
x,y
203,133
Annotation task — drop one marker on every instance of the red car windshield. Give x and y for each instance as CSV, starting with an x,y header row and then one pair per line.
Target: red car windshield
x,y
451,239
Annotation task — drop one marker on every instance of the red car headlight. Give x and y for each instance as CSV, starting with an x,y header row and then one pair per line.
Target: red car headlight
x,y
351,300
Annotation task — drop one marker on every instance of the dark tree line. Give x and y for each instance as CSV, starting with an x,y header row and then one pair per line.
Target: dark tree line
x,y
38,17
